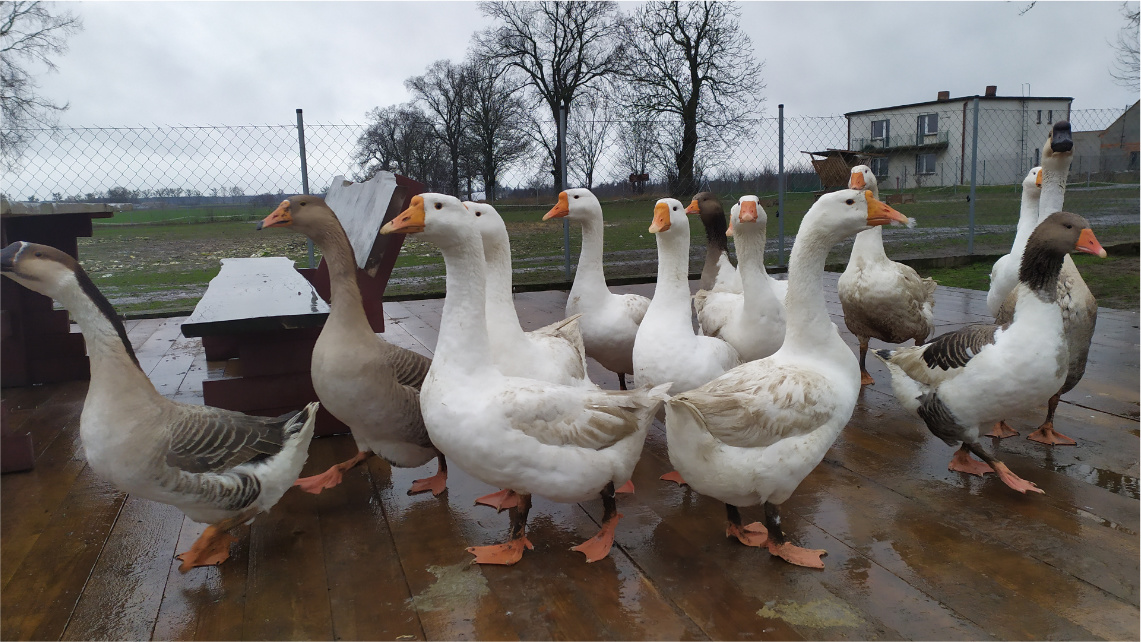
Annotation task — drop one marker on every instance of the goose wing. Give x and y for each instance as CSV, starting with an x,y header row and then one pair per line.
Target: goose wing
x,y
593,419
211,440
759,404
634,306
947,354
409,367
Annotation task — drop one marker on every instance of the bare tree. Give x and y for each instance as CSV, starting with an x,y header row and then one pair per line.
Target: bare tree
x,y
693,64
1126,68
588,136
401,139
560,47
497,121
30,35
636,138
444,92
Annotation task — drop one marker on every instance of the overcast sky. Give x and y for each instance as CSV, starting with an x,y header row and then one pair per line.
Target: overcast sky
x,y
238,63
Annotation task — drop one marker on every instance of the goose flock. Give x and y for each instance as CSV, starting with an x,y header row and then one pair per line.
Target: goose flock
x,y
752,397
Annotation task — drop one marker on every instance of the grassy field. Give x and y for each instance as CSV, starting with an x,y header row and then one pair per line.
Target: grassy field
x,y
156,261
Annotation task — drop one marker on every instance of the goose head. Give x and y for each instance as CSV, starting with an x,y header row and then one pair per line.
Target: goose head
x,y
1060,141
862,177
747,216
439,218
708,206
669,218
845,212
40,268
489,223
1033,180
1065,232
304,213
578,204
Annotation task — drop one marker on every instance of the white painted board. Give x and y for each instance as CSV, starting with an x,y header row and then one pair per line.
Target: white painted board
x,y
360,208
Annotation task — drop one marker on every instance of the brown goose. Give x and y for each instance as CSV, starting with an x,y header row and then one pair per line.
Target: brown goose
x,y
975,375
718,272
1079,307
369,384
220,467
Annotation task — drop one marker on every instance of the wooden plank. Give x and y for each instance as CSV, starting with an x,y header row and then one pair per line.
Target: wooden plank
x,y
41,595
157,344
122,596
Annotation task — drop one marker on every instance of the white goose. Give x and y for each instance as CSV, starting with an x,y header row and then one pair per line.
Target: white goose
x,y
882,298
1004,274
666,348
1079,307
753,321
220,467
566,443
717,272
753,434
980,373
372,386
554,353
609,321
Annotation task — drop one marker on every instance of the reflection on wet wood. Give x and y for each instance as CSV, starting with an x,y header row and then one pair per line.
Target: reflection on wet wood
x,y
914,551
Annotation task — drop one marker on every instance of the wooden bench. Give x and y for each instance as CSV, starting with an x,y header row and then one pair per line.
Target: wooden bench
x,y
264,316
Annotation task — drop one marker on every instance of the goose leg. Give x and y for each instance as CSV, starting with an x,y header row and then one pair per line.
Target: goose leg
x,y
754,534
962,463
622,381
1046,433
437,483
500,500
511,552
599,546
331,477
787,551
1002,430
213,546
865,377
1009,478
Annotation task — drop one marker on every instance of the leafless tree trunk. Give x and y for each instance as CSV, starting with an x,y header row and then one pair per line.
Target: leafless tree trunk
x,y
588,136
560,47
30,35
1126,69
445,91
691,63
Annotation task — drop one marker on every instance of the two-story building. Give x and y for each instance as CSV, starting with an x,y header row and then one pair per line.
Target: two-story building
x,y
929,143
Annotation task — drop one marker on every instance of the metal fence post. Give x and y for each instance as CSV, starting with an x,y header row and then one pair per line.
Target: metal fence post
x,y
780,185
563,174
304,174
974,168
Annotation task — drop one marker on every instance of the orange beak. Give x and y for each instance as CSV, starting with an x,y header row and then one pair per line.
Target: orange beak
x,y
409,221
748,211
693,208
661,218
1087,243
280,217
880,213
1038,179
856,181
561,209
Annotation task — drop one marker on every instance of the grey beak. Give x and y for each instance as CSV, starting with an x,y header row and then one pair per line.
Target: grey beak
x,y
1061,140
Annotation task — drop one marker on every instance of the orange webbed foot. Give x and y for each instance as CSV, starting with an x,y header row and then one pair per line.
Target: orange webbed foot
x,y
673,476
599,546
1002,430
1014,481
210,549
500,500
501,554
808,557
437,483
866,378
317,483
963,463
628,487
1047,435
754,534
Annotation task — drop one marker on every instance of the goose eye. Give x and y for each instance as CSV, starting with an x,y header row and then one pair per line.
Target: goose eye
x,y
439,206
850,202
576,195
478,213
39,253
1069,227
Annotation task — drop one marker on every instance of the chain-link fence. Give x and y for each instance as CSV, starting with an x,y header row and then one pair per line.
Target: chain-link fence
x,y
925,156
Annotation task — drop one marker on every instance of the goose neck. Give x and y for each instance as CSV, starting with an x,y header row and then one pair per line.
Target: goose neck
x,y
502,318
807,324
1054,169
869,245
590,255
463,342
346,304
1027,220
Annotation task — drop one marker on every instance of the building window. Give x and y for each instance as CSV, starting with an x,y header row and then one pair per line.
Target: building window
x,y
925,164
1049,116
879,167
879,130
1037,157
928,124
1039,117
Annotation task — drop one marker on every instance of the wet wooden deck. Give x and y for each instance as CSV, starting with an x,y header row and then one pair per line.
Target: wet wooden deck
x,y
914,551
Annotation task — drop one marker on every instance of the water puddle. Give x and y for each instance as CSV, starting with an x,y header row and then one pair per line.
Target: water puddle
x,y
1112,481
817,614
455,587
